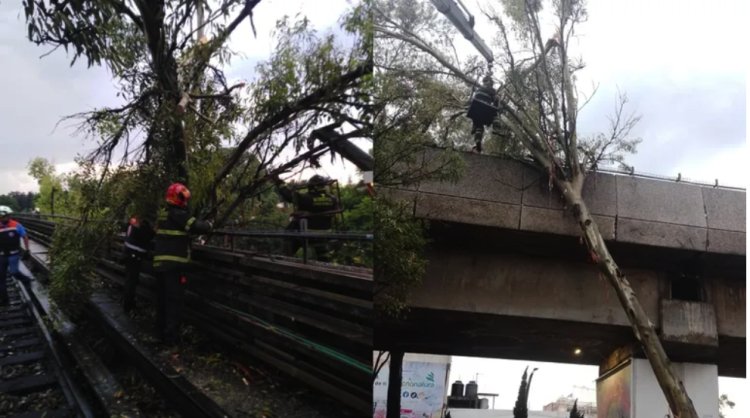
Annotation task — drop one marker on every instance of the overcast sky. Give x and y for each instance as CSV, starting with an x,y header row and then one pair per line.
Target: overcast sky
x,y
682,64
36,92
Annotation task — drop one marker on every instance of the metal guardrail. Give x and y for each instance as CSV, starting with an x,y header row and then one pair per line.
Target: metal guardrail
x,y
304,236
678,179
312,322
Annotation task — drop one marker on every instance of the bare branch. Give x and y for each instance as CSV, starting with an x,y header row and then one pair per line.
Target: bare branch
x,y
429,50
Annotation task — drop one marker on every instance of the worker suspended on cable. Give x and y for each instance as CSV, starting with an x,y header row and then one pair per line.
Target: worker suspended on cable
x,y
314,211
11,232
138,242
171,258
483,109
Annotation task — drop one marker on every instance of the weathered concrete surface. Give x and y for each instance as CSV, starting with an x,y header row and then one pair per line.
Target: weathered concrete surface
x,y
511,305
729,300
529,287
660,201
507,194
524,286
688,322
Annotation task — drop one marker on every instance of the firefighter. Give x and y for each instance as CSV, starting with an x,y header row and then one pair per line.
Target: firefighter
x,y
171,258
138,242
317,206
11,233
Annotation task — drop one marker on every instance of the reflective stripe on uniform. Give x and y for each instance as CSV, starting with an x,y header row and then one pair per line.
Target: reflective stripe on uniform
x,y
177,259
189,223
135,247
322,201
171,232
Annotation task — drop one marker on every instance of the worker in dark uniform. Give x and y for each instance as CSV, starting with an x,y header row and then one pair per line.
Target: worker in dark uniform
x,y
171,258
138,242
11,233
316,207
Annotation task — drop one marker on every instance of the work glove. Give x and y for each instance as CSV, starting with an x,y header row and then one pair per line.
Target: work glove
x,y
26,255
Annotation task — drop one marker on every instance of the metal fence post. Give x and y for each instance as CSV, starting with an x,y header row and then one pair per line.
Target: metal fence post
x,y
303,228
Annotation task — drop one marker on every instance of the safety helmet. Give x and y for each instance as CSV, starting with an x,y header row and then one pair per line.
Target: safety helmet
x,y
178,195
317,181
5,210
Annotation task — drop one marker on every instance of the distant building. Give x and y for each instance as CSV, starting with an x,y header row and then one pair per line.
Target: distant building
x,y
565,404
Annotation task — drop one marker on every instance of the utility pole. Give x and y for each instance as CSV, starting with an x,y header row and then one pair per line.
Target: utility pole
x,y
393,406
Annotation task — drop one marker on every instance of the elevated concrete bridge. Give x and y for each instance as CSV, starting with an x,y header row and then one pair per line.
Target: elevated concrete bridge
x,y
509,278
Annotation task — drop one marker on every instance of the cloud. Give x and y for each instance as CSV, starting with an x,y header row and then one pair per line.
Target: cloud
x,y
36,94
685,122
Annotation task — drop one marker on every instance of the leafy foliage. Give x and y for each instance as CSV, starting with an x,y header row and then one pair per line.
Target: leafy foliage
x,y
400,262
19,201
724,402
574,412
53,196
72,259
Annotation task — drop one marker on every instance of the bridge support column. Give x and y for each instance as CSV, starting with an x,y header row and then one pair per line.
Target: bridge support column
x,y
630,390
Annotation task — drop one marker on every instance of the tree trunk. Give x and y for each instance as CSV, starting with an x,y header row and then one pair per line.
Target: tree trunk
x,y
393,408
674,390
165,70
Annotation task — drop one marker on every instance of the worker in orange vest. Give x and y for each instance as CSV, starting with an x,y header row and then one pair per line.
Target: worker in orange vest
x,y
11,232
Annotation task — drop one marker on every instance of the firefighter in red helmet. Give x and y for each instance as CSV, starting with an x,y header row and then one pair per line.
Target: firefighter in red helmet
x,y
171,257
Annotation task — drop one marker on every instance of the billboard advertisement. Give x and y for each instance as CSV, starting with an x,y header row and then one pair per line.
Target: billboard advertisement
x,y
613,393
422,390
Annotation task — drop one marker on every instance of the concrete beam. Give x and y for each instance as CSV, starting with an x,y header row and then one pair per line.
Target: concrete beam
x,y
528,287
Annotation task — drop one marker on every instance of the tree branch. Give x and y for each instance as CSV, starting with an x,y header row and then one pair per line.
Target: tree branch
x,y
285,112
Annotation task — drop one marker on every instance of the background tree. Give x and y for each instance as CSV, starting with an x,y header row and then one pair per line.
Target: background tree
x,y
724,403
521,408
25,200
574,412
537,122
6,200
399,249
53,193
19,201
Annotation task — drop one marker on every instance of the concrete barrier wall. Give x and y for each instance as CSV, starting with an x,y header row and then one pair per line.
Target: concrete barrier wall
x,y
506,194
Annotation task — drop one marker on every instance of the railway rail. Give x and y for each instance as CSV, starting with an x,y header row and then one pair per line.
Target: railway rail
x,y
45,371
32,380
